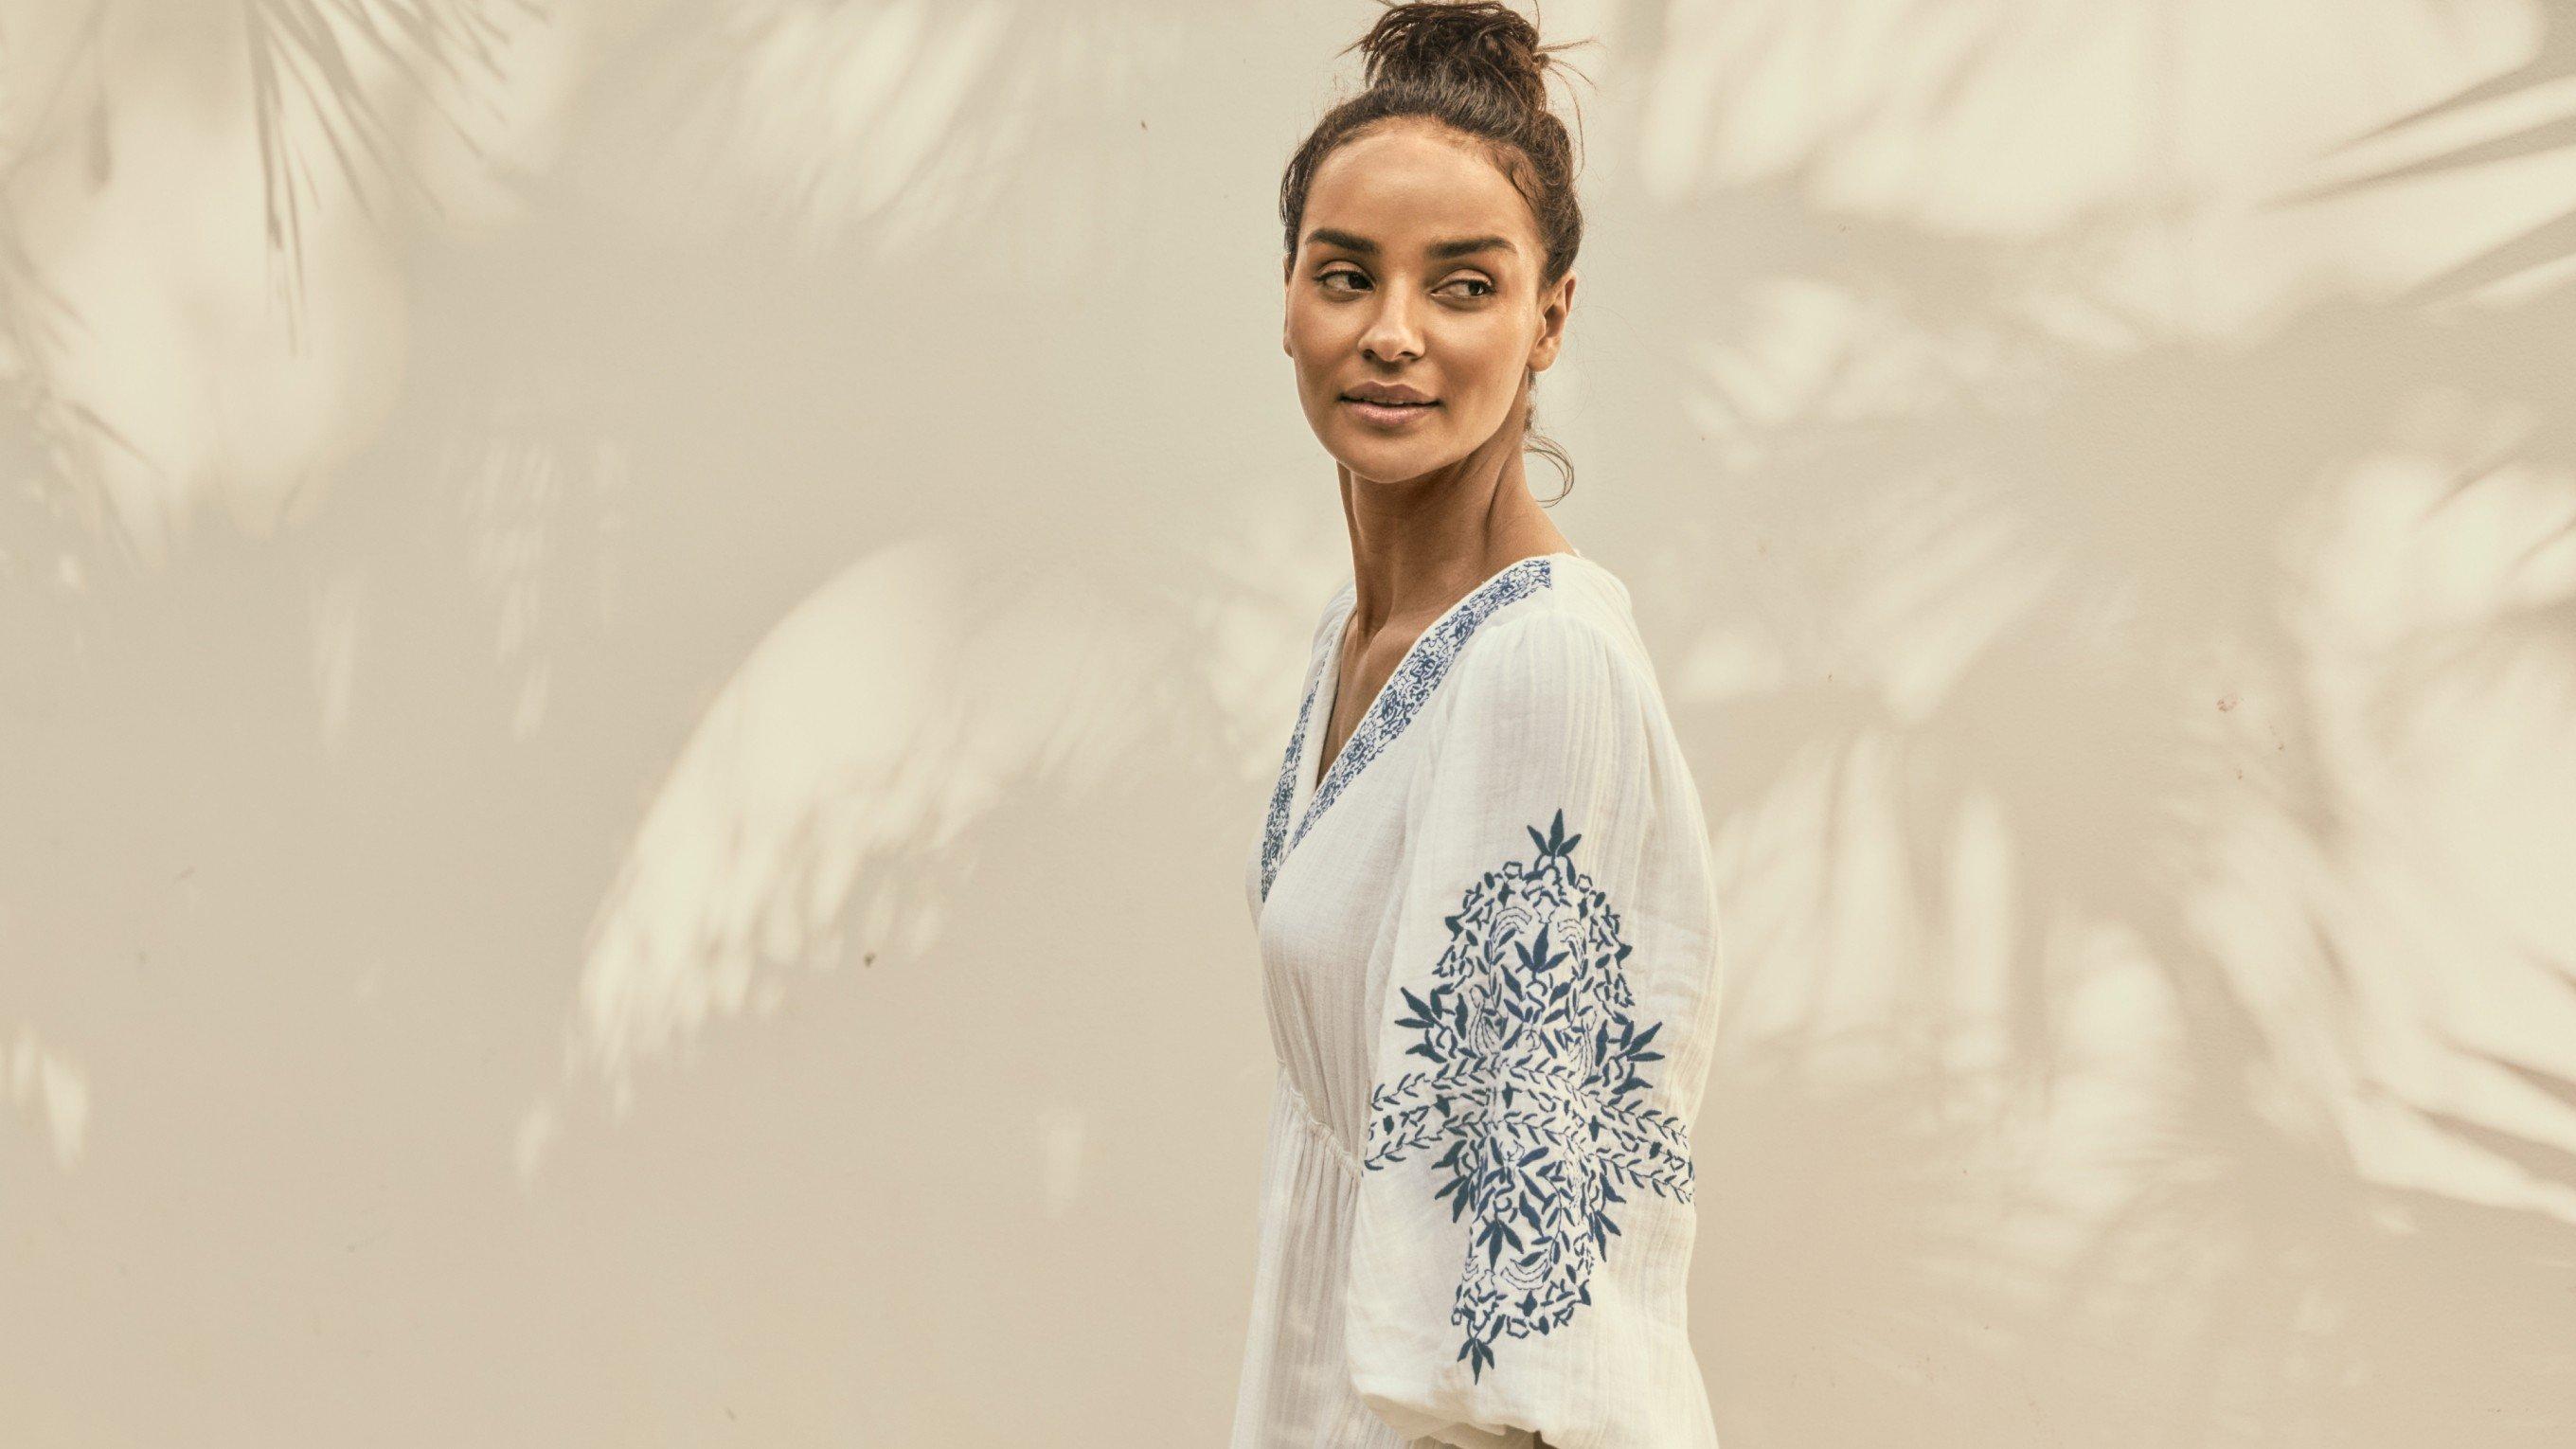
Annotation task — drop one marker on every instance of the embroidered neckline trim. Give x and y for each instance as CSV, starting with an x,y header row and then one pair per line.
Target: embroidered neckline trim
x,y
1416,675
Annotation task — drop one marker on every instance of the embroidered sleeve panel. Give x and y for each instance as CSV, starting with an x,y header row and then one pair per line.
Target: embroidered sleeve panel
x,y
1531,1109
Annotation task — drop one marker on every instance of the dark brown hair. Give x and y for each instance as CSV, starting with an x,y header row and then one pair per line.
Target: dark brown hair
x,y
1476,67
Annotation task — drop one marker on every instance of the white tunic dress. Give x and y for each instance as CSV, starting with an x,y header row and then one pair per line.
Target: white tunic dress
x,y
1489,948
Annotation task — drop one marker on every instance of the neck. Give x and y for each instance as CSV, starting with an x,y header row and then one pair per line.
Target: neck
x,y
1419,545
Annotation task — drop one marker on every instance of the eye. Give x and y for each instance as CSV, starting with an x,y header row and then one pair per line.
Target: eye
x,y
1478,282
1324,277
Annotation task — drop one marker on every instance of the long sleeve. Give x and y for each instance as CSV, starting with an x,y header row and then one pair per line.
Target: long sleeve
x,y
1523,1235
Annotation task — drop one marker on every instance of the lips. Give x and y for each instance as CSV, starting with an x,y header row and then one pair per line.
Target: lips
x,y
1387,414
1396,396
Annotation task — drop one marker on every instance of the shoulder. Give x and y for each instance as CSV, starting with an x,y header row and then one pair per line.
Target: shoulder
x,y
1549,673
1573,629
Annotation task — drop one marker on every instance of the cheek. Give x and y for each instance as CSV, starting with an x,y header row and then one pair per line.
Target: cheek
x,y
1305,342
1310,329
1501,353
1475,388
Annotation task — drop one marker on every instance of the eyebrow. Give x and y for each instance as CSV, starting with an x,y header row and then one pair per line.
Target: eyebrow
x,y
1439,251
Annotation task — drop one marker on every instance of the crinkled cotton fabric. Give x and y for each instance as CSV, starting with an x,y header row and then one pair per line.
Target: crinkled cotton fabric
x,y
1490,963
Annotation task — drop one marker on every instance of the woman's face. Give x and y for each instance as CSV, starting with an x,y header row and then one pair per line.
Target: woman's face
x,y
1416,268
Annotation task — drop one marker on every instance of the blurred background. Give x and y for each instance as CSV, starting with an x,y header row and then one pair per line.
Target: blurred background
x,y
633,708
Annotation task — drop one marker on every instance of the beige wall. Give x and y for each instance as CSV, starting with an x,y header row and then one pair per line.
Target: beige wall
x,y
625,808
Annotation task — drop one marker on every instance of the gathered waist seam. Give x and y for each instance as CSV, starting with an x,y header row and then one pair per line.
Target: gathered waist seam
x,y
1306,1110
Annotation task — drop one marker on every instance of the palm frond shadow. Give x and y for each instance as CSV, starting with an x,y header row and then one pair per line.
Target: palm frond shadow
x,y
2109,779
863,131
1894,1182
2257,1263
2552,62
307,59
2249,1283
2121,670
50,440
2548,1161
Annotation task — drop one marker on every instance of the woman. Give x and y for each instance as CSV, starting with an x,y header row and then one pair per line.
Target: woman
x,y
1483,891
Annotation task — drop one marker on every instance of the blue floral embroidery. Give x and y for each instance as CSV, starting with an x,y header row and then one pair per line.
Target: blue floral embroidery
x,y
1275,829
1536,1084
1420,672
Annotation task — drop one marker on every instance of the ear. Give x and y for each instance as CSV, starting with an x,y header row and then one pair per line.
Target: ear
x,y
1553,309
1287,278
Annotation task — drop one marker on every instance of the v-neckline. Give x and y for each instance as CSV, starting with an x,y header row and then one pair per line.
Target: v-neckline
x,y
1303,797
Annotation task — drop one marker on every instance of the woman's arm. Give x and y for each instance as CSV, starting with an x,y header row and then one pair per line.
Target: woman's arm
x,y
1548,988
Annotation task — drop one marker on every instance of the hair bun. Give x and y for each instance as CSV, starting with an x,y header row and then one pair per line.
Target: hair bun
x,y
1480,42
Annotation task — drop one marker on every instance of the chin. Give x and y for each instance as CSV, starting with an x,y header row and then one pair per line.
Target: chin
x,y
1361,443
1384,464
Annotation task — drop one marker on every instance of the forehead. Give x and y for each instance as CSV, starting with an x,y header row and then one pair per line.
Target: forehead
x,y
1406,184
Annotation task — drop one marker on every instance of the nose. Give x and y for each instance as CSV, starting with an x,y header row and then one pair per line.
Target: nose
x,y
1392,334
